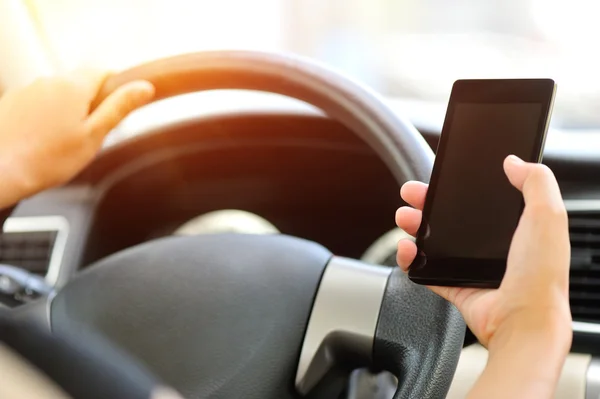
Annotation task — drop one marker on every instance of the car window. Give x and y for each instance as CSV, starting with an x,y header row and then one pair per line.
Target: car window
x,y
409,49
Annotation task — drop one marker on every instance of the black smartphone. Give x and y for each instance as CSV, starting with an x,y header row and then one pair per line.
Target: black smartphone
x,y
471,211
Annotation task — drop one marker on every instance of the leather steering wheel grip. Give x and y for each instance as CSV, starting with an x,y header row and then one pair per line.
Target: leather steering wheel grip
x,y
395,140
417,347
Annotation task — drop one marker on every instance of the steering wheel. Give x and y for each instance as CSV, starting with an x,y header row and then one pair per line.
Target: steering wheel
x,y
233,316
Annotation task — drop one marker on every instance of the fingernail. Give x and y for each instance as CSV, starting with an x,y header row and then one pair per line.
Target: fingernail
x,y
143,86
515,160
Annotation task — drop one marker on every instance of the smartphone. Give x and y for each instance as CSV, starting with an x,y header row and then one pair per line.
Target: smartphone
x,y
471,210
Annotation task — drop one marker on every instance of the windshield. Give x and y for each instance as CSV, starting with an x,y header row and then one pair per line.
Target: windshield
x,y
407,49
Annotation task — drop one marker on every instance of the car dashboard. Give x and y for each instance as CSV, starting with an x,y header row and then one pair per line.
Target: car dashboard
x,y
299,171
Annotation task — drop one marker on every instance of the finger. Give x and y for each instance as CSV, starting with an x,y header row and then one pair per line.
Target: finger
x,y
536,182
409,219
117,106
413,192
89,79
407,250
541,242
458,296
463,298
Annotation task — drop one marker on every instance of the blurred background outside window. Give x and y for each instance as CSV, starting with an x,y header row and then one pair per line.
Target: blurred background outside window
x,y
406,49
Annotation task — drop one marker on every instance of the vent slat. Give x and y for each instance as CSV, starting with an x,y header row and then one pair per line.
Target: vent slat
x,y
587,223
30,250
586,312
584,295
585,238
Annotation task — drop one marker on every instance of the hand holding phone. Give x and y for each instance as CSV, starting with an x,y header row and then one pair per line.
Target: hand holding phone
x,y
526,323
471,211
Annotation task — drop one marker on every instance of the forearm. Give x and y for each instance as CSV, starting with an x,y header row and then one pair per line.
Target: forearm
x,y
518,374
527,365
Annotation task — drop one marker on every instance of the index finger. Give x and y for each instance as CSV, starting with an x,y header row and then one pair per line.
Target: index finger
x,y
413,192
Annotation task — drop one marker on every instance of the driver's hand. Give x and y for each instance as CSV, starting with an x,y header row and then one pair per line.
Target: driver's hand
x,y
48,135
530,310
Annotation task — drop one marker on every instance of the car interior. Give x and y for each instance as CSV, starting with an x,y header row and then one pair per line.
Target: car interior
x,y
237,235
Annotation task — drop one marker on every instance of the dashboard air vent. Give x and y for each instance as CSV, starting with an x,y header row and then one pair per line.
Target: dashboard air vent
x,y
584,230
29,250
35,244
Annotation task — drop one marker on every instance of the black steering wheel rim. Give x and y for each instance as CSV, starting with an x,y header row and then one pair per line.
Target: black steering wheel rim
x,y
421,351
361,110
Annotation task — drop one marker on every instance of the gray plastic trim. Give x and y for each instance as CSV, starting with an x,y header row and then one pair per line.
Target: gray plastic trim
x,y
385,246
574,206
44,223
38,311
583,205
592,385
344,318
586,328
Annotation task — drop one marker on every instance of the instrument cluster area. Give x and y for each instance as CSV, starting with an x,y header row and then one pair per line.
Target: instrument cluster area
x,y
298,175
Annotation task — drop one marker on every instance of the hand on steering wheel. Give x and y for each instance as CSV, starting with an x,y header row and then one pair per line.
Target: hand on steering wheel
x,y
48,133
532,304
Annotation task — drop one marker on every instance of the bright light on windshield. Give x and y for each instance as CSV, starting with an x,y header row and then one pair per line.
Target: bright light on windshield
x,y
121,33
567,22
410,49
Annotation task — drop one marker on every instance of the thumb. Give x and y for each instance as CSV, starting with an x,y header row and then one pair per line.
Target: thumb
x,y
117,106
540,246
536,182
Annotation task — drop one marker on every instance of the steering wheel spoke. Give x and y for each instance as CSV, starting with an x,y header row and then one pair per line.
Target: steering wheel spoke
x,y
343,321
373,316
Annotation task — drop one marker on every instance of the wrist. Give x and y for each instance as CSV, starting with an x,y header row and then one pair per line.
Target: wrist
x,y
542,330
536,355
525,361
530,351
15,183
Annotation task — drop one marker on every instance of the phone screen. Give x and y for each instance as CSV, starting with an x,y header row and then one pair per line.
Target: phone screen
x,y
476,209
471,209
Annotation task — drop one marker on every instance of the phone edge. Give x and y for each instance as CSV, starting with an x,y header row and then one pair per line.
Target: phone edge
x,y
471,283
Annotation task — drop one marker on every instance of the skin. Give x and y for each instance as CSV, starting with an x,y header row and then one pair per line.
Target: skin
x,y
526,323
48,135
